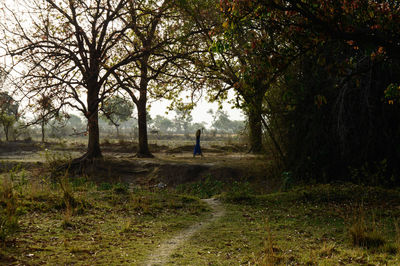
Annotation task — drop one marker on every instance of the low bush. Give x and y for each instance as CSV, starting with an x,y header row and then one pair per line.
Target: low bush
x,y
205,188
239,192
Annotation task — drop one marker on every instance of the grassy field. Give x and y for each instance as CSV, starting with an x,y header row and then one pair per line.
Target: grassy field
x,y
81,222
77,221
319,225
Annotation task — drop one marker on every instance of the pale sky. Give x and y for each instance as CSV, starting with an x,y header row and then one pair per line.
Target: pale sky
x,y
199,113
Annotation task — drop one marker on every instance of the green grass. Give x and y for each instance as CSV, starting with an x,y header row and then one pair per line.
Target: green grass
x,y
307,226
107,227
85,223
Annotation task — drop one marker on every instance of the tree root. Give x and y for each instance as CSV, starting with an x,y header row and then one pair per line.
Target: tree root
x,y
144,155
77,166
254,150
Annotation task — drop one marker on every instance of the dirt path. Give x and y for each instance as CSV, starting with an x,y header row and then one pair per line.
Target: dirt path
x,y
161,254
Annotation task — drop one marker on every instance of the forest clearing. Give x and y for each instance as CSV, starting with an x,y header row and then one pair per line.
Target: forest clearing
x,y
199,132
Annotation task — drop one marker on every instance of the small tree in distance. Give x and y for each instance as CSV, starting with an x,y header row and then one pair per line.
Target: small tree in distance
x,y
8,113
162,123
46,112
183,119
116,110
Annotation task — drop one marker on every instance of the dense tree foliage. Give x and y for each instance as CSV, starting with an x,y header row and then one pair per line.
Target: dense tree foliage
x,y
332,109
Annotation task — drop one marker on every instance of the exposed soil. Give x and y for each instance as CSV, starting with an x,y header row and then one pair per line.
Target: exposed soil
x,y
172,171
170,166
166,249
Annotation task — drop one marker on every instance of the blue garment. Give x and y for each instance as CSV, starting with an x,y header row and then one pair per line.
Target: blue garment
x,y
197,149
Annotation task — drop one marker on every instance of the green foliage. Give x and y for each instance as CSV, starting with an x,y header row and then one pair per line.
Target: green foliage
x,y
116,110
118,188
373,173
121,188
329,91
54,159
104,186
81,182
397,243
321,118
183,119
8,113
392,93
205,188
287,180
239,192
162,123
222,123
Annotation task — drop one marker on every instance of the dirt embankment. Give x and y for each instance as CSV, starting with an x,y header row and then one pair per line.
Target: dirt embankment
x,y
170,166
150,172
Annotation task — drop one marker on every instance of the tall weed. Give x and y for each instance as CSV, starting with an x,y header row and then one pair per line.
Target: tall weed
x,y
363,233
397,236
53,159
269,256
9,209
239,192
69,200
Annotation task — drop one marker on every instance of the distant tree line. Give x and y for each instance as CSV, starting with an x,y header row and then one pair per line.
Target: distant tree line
x,y
116,114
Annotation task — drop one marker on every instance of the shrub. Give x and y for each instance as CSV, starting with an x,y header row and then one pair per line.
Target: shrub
x,y
121,188
205,188
239,192
104,186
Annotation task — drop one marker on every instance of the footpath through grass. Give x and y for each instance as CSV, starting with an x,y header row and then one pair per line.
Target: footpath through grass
x,y
319,225
78,222
82,223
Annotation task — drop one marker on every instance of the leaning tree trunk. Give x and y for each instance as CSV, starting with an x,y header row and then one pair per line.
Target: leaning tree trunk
x,y
6,130
42,124
117,127
143,151
93,125
255,125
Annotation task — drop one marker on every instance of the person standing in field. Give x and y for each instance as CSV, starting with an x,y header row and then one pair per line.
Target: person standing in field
x,y
197,149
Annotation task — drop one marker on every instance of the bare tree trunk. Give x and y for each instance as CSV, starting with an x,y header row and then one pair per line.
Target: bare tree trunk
x,y
255,126
144,151
93,124
42,124
255,132
6,132
117,127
